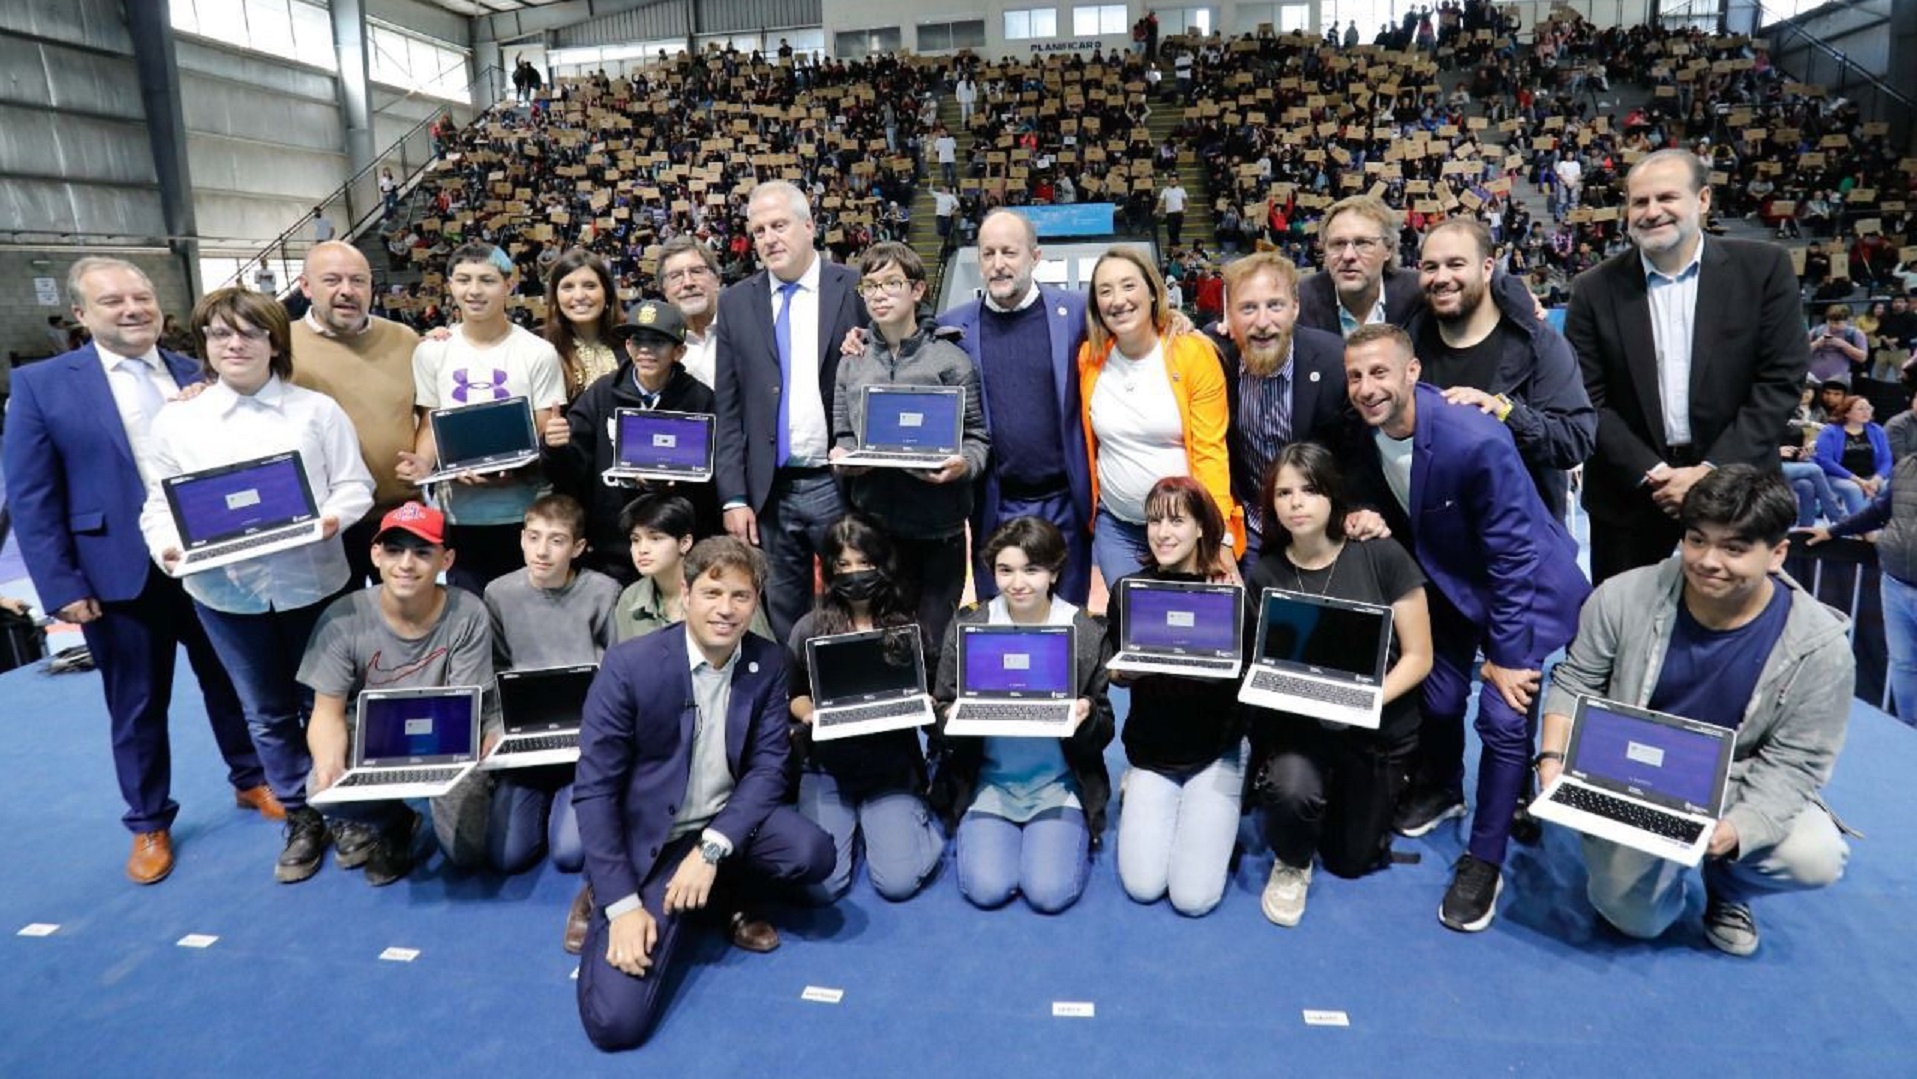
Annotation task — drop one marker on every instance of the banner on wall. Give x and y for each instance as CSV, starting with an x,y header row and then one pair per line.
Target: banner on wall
x,y
1074,219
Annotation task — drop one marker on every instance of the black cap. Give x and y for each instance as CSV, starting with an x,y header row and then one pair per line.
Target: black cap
x,y
653,317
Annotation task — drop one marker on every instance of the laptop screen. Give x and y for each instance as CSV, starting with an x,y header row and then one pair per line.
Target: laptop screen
x,y
232,502
1019,663
906,419
866,666
1188,621
480,432
664,440
1669,762
1328,639
553,699
405,728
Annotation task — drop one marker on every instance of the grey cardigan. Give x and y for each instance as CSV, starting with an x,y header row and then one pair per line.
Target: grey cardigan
x,y
1793,725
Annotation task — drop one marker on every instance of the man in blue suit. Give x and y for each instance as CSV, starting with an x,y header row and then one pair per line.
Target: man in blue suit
x,y
776,360
1504,572
680,778
76,460
1023,337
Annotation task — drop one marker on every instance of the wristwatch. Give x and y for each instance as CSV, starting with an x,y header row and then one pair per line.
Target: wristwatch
x,y
1505,405
712,852
1547,755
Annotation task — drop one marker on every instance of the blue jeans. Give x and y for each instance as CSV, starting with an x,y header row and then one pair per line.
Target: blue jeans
x,y
1118,547
1047,858
1850,494
791,531
261,653
1176,832
1814,494
527,819
1900,640
902,843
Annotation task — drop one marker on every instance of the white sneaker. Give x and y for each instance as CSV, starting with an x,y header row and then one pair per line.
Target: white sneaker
x,y
1284,898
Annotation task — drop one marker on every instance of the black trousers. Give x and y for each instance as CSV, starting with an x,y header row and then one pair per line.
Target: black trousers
x,y
1330,792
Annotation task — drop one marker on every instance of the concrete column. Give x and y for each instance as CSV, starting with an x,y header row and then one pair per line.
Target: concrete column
x,y
155,57
352,45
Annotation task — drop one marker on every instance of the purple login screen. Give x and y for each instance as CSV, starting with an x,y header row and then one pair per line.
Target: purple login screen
x,y
905,420
1186,620
1035,663
651,440
1649,757
241,500
398,728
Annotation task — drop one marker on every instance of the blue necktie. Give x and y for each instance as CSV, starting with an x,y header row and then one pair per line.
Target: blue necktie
x,y
147,395
782,336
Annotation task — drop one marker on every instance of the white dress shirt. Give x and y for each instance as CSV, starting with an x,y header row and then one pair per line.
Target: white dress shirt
x,y
702,350
126,398
221,427
1673,303
805,407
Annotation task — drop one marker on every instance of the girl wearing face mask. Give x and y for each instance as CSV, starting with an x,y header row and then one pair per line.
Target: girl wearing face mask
x,y
864,788
1184,736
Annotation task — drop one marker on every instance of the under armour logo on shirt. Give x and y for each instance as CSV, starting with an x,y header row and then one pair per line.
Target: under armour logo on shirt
x,y
467,389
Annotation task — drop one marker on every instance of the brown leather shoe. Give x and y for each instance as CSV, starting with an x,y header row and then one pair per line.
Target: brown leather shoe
x,y
752,934
152,857
576,921
261,798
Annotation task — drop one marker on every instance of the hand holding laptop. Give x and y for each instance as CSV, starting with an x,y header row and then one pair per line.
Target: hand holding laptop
x,y
951,471
412,466
845,470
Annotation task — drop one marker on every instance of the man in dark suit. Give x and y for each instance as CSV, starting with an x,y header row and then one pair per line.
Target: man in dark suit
x,y
1283,382
1504,580
1024,337
1358,286
1693,353
76,457
777,362
681,773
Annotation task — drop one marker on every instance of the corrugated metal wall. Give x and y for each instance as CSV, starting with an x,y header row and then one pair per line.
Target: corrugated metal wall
x,y
735,16
668,19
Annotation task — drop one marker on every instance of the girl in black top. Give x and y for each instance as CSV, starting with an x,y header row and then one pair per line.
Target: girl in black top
x,y
1328,789
1184,736
866,786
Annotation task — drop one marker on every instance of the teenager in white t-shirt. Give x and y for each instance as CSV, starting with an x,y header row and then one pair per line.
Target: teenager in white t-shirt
x,y
484,358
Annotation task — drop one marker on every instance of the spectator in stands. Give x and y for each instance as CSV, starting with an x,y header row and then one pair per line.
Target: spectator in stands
x,y
1171,203
1136,434
1798,460
1722,635
1836,347
689,278
1855,453
78,451
1816,265
581,311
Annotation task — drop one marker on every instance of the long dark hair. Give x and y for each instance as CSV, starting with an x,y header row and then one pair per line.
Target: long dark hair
x,y
559,328
1320,470
890,606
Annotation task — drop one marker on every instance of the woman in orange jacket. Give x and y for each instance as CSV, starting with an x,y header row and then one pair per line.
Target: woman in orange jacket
x,y
1153,405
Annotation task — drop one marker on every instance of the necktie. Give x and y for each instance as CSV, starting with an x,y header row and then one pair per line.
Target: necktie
x,y
146,394
782,336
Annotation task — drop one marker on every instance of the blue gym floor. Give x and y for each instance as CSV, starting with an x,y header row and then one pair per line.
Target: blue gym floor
x,y
294,985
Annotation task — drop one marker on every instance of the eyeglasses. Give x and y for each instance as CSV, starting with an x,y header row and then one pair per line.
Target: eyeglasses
x,y
891,286
219,334
687,274
1363,245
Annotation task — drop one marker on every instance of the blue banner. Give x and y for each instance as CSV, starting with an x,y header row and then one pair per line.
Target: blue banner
x,y
1074,219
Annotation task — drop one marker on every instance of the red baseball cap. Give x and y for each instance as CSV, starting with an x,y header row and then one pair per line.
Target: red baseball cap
x,y
417,519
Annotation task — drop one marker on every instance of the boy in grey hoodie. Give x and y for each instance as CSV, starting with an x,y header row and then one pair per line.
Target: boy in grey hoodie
x,y
1720,634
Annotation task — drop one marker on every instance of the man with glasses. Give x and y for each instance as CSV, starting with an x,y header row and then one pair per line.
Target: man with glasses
x,y
777,361
1358,286
689,280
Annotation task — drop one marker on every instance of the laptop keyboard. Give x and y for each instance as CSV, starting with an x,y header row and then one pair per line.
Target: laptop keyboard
x,y
1330,693
539,743
1641,817
1046,712
840,716
392,777
247,544
889,455
1183,661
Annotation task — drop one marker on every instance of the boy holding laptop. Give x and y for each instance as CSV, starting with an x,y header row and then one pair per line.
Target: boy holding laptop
x,y
410,632
1719,634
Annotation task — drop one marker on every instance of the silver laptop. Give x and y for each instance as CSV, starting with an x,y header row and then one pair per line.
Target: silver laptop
x,y
410,743
664,446
1015,682
542,709
909,427
865,683
492,436
1650,781
1180,627
1320,657
235,512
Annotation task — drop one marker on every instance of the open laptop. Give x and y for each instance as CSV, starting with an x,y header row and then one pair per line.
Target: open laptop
x,y
909,427
1180,627
411,743
235,512
651,445
1320,657
492,436
1650,781
542,709
1014,682
865,683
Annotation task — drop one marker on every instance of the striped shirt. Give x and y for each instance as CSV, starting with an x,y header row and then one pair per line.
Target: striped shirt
x,y
1264,422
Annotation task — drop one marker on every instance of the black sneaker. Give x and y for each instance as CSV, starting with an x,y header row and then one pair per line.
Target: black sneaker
x,y
305,845
352,843
1472,900
392,856
1422,809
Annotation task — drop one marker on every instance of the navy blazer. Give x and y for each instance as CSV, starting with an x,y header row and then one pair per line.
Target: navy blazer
x,y
72,484
748,380
1318,402
1481,532
635,753
1065,318
1318,299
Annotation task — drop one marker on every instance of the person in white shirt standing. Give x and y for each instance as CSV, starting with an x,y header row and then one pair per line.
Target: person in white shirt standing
x,y
485,358
258,613
945,208
1171,203
945,148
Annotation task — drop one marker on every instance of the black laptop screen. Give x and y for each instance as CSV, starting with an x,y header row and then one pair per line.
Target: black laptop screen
x,y
1330,638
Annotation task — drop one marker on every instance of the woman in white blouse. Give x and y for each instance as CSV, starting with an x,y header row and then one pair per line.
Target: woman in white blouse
x,y
259,612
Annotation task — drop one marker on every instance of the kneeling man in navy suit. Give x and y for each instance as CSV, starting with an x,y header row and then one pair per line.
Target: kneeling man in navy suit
x,y
681,773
